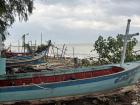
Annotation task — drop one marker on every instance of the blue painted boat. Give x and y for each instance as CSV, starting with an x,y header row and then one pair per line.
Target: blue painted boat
x,y
67,82
18,61
129,75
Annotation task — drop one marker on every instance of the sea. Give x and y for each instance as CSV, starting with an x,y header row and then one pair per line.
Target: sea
x,y
79,50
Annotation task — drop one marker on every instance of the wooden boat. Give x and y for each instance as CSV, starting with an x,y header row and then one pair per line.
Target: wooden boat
x,y
7,53
18,61
67,82
48,84
24,61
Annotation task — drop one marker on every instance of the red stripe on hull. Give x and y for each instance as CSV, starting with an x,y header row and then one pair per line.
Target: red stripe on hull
x,y
58,78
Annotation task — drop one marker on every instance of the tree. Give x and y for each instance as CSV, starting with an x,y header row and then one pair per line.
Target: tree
x,y
101,48
10,9
109,50
85,62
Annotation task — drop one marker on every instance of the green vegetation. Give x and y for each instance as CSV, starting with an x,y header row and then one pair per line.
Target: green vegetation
x,y
10,9
109,51
85,62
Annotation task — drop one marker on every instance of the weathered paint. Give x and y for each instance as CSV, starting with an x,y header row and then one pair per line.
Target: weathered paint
x,y
72,87
38,78
2,66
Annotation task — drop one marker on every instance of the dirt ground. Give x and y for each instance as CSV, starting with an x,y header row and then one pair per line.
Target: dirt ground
x,y
125,98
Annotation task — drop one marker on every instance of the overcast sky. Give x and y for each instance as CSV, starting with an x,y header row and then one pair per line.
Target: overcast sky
x,y
77,21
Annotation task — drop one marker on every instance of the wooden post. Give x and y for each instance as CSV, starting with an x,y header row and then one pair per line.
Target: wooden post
x,y
23,39
35,45
62,50
73,51
41,38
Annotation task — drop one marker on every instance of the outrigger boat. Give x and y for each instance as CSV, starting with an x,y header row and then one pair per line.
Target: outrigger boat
x,y
68,82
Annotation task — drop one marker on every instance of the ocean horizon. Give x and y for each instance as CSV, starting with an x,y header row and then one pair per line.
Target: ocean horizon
x,y
80,50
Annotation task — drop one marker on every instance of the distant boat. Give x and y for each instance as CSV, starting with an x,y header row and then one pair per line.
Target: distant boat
x,y
67,82
23,60
7,53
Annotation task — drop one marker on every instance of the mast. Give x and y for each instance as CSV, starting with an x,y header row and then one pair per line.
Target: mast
x,y
125,42
126,37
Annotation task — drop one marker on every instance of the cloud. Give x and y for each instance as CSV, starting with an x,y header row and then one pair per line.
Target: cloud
x,y
64,20
61,2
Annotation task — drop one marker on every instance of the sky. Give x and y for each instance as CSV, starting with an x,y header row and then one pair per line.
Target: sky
x,y
77,21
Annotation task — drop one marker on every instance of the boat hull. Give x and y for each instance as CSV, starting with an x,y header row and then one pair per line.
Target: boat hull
x,y
69,88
